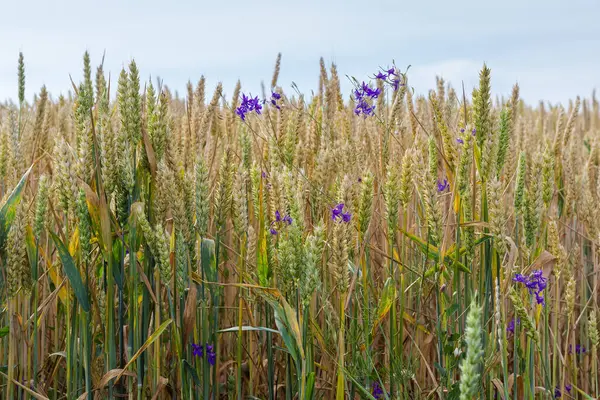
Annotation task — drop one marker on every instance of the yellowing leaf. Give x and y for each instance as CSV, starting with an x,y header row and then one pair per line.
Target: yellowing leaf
x,y
388,295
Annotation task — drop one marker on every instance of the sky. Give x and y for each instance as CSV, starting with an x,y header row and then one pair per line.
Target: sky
x,y
551,47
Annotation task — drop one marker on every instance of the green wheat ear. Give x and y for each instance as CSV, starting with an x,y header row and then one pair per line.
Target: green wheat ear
x,y
521,311
21,78
482,105
593,329
470,368
505,133
520,183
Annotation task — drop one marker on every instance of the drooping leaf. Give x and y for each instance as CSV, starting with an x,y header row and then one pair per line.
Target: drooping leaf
x,y
72,273
192,372
155,335
433,252
248,328
9,208
208,259
50,268
262,264
287,324
112,374
385,303
27,389
366,394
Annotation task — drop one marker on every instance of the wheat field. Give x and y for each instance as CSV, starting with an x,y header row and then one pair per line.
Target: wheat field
x,y
378,244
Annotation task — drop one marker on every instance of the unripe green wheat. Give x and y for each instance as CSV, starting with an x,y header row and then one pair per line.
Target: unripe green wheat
x,y
470,368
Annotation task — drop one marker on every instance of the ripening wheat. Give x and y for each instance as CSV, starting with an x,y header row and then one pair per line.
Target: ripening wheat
x,y
381,244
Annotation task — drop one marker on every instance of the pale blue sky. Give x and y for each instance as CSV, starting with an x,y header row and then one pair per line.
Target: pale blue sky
x,y
551,47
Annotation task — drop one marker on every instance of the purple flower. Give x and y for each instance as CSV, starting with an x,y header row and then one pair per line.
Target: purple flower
x,y
337,211
462,130
277,216
535,283
539,299
511,325
369,91
579,349
557,393
211,356
381,76
263,174
197,350
364,108
248,104
396,84
459,140
361,94
520,278
273,231
391,71
274,98
287,219
441,186
377,390
568,388
346,217
474,131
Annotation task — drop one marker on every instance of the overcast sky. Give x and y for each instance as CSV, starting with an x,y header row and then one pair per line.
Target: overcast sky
x,y
551,47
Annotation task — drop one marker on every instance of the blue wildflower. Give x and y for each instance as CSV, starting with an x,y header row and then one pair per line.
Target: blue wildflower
x,y
377,390
535,283
396,84
568,388
337,213
442,185
520,278
459,140
381,76
287,219
369,91
557,393
364,94
211,356
248,104
579,349
274,98
512,324
197,350
346,217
